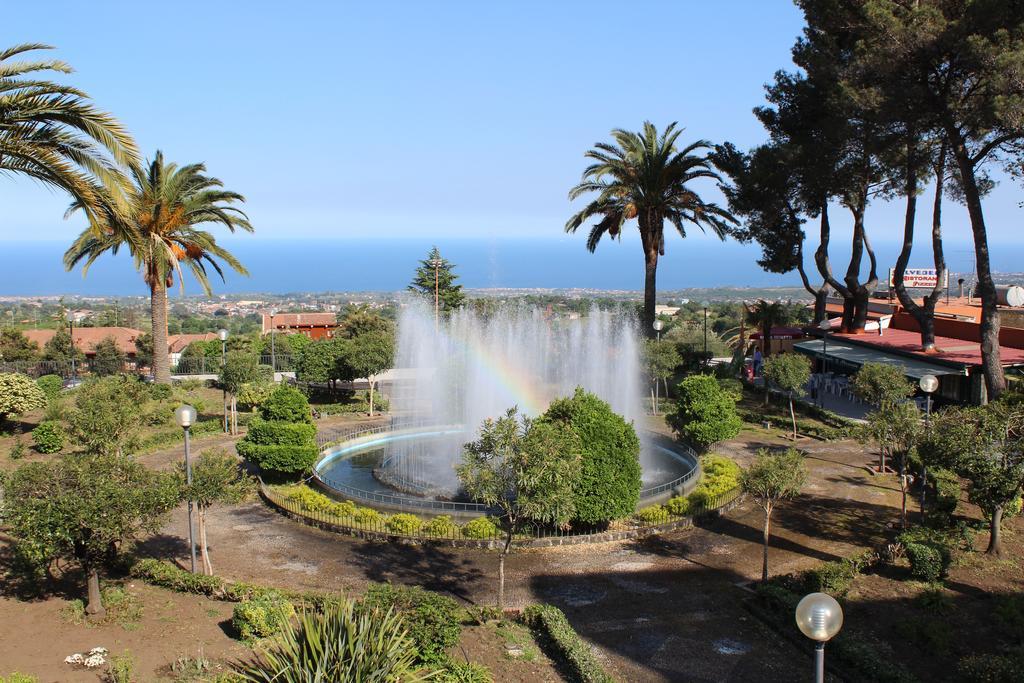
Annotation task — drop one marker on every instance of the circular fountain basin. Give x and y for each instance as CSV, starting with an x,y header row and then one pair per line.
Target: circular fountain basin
x,y
353,469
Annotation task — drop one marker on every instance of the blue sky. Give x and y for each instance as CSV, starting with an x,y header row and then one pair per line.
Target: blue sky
x,y
412,119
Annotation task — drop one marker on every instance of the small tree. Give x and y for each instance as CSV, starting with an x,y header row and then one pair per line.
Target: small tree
x,y
318,362
60,349
282,439
216,478
81,507
438,271
526,470
239,369
367,355
790,373
15,346
985,446
881,385
705,412
107,359
896,431
108,414
772,478
660,360
144,350
360,320
18,394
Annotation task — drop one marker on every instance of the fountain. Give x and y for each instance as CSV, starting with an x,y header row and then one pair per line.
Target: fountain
x,y
471,366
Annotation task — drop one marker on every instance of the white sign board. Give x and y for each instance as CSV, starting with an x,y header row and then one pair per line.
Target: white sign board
x,y
919,278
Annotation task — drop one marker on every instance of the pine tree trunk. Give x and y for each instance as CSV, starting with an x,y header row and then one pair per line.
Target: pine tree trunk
x,y
94,607
995,539
158,314
995,380
766,536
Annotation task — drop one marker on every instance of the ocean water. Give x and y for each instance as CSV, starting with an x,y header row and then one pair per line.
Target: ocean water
x,y
319,265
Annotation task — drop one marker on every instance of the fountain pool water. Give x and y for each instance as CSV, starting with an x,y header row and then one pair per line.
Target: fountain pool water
x,y
472,366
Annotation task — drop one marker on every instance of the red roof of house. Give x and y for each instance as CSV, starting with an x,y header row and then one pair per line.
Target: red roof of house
x,y
948,348
287,321
176,343
86,338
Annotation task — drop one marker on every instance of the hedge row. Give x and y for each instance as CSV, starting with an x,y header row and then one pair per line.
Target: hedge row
x,y
719,476
553,627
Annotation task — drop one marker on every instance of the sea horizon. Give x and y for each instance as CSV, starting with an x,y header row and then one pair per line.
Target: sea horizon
x,y
282,266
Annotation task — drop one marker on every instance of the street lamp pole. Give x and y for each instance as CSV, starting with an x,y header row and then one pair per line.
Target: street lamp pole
x,y
658,325
71,335
273,344
222,334
825,325
705,305
819,617
185,416
929,384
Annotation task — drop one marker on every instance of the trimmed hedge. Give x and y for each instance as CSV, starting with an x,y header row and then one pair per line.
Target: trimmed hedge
x,y
280,433
552,625
280,446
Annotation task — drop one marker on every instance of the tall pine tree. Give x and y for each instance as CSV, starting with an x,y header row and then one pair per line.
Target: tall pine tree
x,y
435,271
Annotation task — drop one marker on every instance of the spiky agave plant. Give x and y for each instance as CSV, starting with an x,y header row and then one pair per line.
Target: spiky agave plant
x,y
340,643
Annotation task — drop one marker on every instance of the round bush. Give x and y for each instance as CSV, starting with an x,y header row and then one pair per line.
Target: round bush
x,y
480,528
48,437
366,516
286,404
679,506
925,562
403,523
609,479
262,616
652,514
441,526
705,412
51,386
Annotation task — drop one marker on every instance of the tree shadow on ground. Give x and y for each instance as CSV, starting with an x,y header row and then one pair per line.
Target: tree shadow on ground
x,y
433,567
167,547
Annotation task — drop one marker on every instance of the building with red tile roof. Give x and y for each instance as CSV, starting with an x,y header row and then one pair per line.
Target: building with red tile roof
x,y
86,338
313,325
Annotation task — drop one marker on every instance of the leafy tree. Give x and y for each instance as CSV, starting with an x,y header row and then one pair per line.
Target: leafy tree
x,y
164,205
985,446
240,368
790,373
51,386
52,133
318,362
436,275
764,315
144,349
772,478
109,414
81,508
19,394
368,355
60,349
881,385
524,468
645,176
896,430
254,394
216,478
608,484
705,412
15,346
660,360
360,320
107,358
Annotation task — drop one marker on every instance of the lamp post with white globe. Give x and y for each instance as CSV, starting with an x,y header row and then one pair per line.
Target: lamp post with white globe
x,y
222,334
658,326
929,385
819,617
705,305
185,416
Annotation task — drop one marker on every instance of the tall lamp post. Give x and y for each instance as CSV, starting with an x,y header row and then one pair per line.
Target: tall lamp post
x,y
658,326
929,385
71,334
273,344
222,334
819,617
185,416
825,325
705,305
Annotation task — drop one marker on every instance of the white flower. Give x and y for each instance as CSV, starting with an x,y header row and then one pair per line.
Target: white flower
x,y
93,661
99,650
74,659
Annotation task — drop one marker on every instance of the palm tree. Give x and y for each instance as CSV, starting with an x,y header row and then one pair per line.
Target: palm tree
x,y
50,132
644,176
165,204
765,315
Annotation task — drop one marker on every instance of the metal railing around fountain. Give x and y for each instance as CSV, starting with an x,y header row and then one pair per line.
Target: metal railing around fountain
x,y
678,482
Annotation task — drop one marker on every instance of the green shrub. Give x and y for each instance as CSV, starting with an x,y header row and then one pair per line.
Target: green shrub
x,y
265,433
339,643
944,496
48,437
705,413
679,506
929,551
344,508
442,526
551,623
990,668
468,672
286,404
366,515
168,576
308,499
281,459
834,578
481,528
1009,612
432,619
719,475
403,523
18,678
927,633
609,480
51,385
261,616
652,514
17,451
161,392
120,668
871,659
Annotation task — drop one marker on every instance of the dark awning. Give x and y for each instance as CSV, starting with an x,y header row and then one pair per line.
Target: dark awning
x,y
859,355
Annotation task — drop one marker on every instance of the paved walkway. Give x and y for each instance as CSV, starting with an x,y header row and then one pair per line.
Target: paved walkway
x,y
665,609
